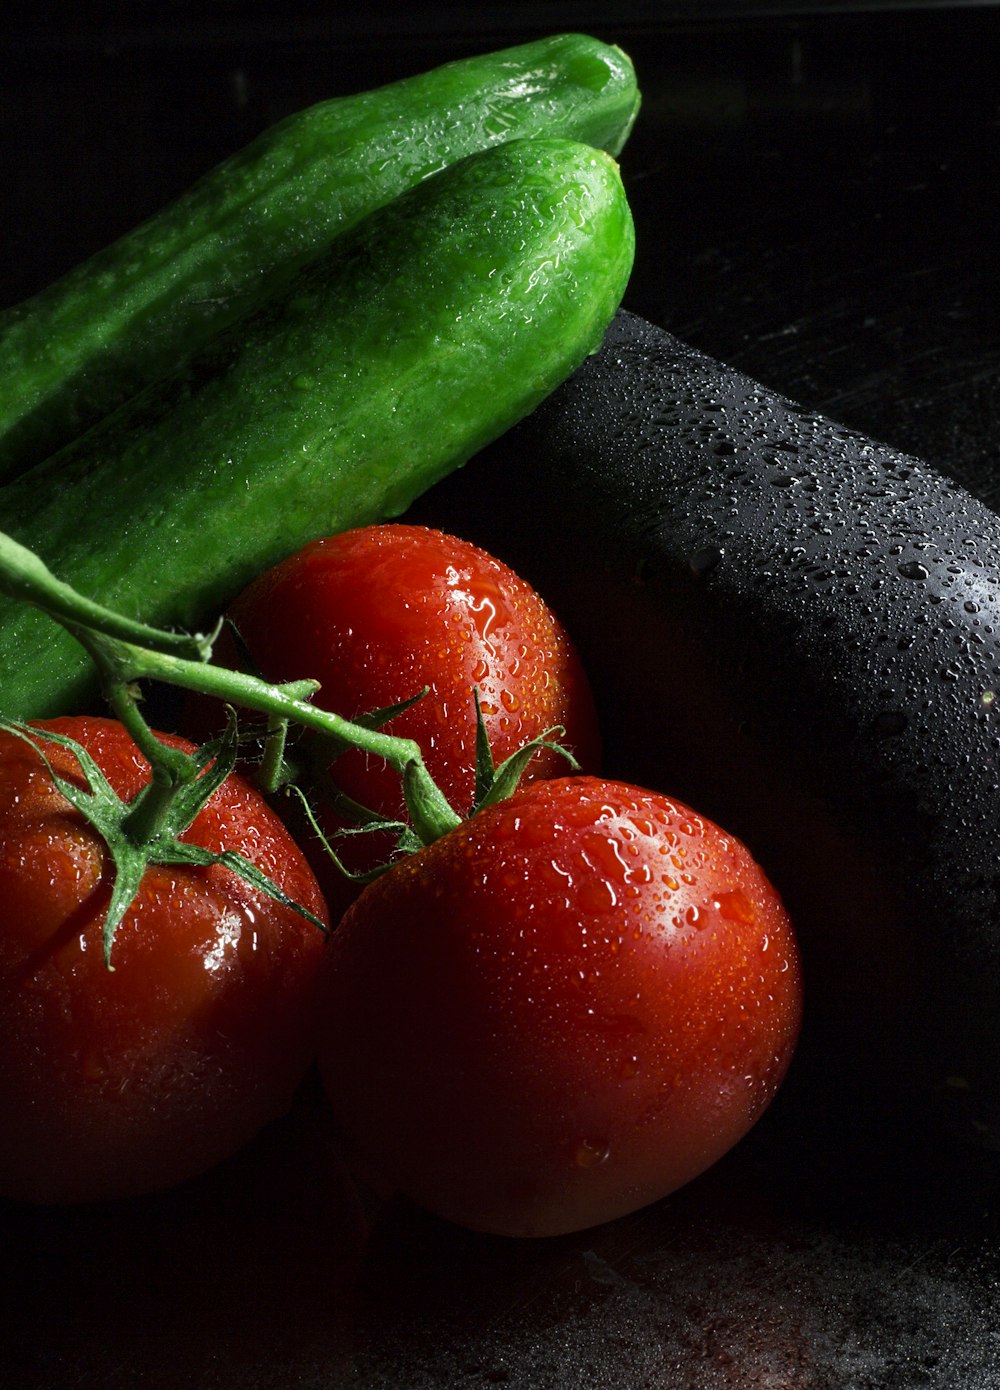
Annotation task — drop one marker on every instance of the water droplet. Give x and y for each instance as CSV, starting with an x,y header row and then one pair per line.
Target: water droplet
x,y
591,1153
597,895
888,723
913,569
93,1067
703,561
735,906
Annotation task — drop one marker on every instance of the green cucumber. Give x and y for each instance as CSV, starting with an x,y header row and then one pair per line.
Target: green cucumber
x,y
128,316
419,336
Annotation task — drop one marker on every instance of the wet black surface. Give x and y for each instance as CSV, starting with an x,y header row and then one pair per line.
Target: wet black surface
x,y
815,199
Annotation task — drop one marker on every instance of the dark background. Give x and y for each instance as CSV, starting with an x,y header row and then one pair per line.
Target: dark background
x,y
814,190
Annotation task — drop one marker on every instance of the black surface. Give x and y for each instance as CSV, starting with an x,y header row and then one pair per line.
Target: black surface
x,y
814,197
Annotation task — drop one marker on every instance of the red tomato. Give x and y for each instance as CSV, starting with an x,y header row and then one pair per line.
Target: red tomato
x,y
376,614
119,1082
559,1012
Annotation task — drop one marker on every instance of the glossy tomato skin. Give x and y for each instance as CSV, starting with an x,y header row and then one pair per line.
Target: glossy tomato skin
x,y
381,612
114,1083
561,1012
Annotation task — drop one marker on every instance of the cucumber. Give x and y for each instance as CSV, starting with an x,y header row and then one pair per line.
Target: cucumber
x,y
418,337
129,314
797,630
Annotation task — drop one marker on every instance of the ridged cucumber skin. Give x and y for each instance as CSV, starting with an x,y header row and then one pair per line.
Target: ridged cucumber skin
x,y
797,630
128,315
420,336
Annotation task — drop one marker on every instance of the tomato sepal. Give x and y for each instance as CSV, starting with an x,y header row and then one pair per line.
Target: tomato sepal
x,y
116,820
494,784
367,822
318,750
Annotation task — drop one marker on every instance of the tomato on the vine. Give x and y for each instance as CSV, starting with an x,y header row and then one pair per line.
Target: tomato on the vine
x,y
559,1012
381,612
118,1081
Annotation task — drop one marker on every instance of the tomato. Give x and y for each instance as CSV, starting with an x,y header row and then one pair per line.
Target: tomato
x,y
559,1012
117,1082
378,613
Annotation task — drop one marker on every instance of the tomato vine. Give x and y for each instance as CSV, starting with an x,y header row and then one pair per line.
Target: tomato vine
x,y
127,652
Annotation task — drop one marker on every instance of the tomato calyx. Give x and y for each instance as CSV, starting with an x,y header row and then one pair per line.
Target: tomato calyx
x,y
431,816
494,783
132,840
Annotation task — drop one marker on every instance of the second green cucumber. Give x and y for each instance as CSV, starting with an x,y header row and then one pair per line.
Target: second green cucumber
x,y
421,335
129,315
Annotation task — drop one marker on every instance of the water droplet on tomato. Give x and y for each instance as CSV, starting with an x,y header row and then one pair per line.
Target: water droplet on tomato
x,y
580,814
554,875
597,895
591,1153
735,906
93,1067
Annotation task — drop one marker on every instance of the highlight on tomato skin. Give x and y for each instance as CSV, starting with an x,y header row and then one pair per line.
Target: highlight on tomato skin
x,y
378,613
560,1012
115,1083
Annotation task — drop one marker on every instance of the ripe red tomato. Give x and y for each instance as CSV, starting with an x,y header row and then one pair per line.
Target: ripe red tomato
x,y
119,1082
559,1012
378,613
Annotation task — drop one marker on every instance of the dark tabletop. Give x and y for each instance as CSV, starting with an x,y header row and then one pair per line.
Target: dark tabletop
x,y
814,190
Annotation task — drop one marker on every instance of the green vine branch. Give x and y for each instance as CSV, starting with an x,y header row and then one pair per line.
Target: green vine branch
x,y
126,653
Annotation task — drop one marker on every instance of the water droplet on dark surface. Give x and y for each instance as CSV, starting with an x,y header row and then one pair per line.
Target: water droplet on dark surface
x,y
889,723
703,561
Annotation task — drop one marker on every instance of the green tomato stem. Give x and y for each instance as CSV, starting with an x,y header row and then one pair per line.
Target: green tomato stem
x,y
171,769
126,652
430,812
26,577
